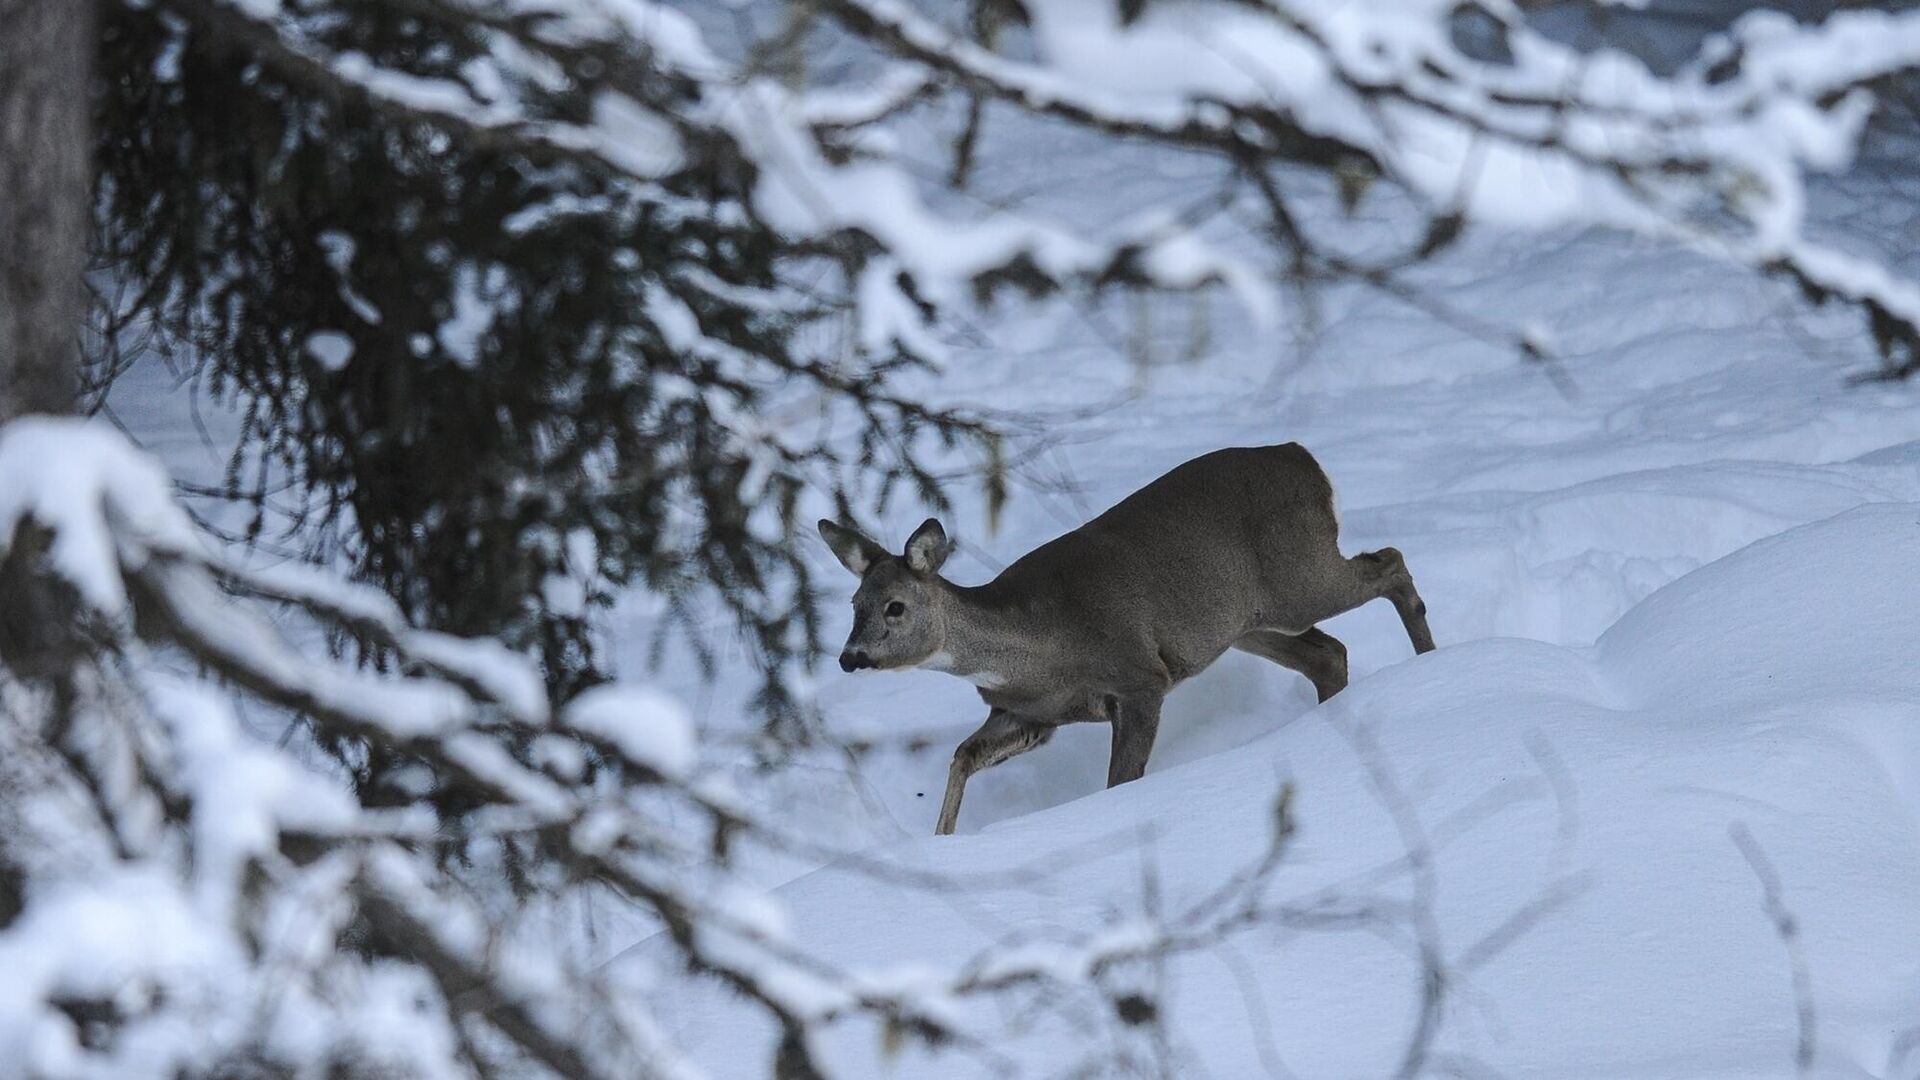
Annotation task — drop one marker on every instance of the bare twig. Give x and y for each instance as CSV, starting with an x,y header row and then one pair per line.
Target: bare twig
x,y
1773,902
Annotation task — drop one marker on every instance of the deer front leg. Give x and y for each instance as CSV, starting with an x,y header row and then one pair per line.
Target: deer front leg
x,y
1001,737
1136,720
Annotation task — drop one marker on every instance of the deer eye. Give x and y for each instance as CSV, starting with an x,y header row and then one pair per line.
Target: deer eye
x,y
896,609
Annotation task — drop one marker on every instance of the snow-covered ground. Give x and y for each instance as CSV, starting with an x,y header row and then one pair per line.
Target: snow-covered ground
x,y
1664,616
1596,788
1668,615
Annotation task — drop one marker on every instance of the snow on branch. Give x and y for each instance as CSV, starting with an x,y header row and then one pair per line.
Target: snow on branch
x,y
489,102
1519,130
1525,132
220,835
665,106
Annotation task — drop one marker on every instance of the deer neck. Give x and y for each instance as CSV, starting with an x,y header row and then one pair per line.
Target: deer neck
x,y
987,643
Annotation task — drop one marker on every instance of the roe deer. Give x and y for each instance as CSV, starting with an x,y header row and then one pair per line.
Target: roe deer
x,y
1234,549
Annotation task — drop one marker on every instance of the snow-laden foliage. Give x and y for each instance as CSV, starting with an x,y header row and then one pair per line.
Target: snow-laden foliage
x,y
527,303
1470,110
1474,112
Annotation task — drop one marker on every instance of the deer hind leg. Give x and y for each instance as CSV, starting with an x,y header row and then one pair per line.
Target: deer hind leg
x,y
1136,720
1314,653
1352,582
1386,572
1001,737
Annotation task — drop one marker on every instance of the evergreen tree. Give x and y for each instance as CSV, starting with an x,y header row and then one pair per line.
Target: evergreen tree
x,y
507,378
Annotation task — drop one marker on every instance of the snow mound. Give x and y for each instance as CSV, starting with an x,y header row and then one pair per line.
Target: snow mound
x,y
1772,693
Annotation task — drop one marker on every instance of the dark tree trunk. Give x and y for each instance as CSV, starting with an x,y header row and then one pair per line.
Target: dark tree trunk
x,y
46,184
46,189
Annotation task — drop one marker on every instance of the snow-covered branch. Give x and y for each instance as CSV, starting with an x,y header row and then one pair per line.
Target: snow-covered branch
x,y
226,830
1522,131
664,104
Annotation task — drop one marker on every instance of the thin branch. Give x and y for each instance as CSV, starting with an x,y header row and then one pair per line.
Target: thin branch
x,y
1773,902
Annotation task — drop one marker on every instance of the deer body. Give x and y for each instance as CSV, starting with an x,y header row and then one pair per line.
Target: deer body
x,y
1234,549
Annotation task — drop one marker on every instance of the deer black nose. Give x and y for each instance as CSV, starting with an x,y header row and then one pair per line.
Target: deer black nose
x,y
854,660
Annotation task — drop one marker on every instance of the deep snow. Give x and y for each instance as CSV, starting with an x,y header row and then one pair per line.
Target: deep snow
x,y
1707,411
1770,686
1774,689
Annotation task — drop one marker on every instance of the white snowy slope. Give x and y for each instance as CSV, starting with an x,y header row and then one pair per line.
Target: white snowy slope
x,y
1775,690
1707,411
1676,600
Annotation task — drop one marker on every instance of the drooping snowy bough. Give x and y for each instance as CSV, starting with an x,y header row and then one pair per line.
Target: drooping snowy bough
x,y
1467,108
1471,111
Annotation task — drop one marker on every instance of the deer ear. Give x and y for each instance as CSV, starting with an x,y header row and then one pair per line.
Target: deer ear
x,y
851,547
928,547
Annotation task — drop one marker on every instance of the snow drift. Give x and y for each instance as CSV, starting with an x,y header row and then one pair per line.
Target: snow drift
x,y
1582,806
